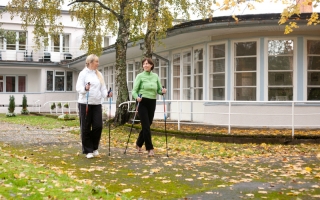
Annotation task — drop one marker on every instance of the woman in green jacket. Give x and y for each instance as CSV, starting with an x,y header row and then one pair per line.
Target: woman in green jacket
x,y
148,85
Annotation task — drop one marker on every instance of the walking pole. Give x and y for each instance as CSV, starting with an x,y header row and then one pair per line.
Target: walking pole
x,y
165,120
87,107
140,95
109,117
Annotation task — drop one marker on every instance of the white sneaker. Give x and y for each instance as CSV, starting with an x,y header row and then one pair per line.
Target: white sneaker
x,y
95,153
90,155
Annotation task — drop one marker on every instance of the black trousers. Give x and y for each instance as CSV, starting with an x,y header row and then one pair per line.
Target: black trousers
x,y
90,127
146,113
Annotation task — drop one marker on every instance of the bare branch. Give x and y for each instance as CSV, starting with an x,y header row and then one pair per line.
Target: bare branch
x,y
96,1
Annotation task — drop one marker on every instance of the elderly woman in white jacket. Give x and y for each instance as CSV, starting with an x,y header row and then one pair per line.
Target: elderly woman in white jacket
x,y
92,90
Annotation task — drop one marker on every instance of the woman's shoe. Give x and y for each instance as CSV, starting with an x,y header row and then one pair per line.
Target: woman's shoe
x,y
139,149
150,153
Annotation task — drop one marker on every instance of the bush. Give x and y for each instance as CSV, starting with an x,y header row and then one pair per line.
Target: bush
x,y
12,106
59,105
66,105
53,106
24,110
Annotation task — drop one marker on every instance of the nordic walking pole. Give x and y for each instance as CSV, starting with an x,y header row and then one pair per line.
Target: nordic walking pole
x,y
135,114
165,120
87,107
109,116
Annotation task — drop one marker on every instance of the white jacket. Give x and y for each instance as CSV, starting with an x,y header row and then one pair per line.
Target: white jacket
x,y
97,90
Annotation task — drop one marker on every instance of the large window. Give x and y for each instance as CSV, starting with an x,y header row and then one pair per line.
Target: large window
x,y
60,43
313,68
245,71
217,72
59,81
12,83
280,70
176,76
160,68
14,40
198,73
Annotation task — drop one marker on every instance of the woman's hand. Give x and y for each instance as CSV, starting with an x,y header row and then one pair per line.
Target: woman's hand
x,y
109,95
139,99
164,90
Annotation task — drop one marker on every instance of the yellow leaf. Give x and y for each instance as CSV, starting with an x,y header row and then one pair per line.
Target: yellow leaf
x,y
308,169
64,163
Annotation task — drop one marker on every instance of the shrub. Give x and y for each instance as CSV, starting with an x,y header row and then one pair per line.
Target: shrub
x,y
12,106
66,105
53,106
59,105
24,110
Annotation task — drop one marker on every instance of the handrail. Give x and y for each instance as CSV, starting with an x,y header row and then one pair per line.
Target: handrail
x,y
62,106
259,114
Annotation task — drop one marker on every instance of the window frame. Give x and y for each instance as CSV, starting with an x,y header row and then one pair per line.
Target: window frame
x,y
305,68
65,81
16,83
225,69
233,57
293,71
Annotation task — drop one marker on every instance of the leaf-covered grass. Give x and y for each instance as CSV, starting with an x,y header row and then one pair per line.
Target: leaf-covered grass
x,y
194,168
22,180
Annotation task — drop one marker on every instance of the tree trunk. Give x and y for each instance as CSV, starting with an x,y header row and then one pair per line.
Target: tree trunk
x,y
122,114
150,36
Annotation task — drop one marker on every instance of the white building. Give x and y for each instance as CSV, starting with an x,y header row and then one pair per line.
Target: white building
x,y
252,64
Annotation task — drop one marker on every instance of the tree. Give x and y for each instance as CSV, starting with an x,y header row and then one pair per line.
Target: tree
x,y
24,105
11,107
120,18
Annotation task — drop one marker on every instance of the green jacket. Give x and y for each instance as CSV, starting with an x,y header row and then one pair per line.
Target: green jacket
x,y
147,84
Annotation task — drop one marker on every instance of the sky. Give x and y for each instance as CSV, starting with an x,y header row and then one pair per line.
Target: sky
x,y
266,7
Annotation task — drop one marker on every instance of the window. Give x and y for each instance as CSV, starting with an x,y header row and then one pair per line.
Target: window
x,y
55,43
60,43
49,80
198,73
12,83
280,70
109,78
59,81
69,81
65,43
313,70
15,40
217,72
245,71
130,71
1,83
160,68
21,84
176,76
22,40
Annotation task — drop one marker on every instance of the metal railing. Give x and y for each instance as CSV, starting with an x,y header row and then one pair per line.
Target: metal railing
x,y
244,114
30,54
72,107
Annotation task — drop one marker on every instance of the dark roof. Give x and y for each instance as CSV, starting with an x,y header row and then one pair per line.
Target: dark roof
x,y
241,18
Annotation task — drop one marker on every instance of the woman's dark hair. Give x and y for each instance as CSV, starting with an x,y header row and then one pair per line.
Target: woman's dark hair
x,y
150,61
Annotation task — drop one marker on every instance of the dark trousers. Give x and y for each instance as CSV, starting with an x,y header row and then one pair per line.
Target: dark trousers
x,y
146,113
90,127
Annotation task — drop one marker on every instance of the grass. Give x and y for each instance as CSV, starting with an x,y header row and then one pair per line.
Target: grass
x,y
194,167
39,121
22,180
